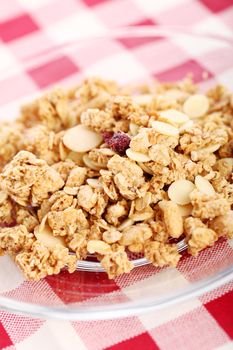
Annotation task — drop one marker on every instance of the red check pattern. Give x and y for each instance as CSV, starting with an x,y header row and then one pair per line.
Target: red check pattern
x,y
29,27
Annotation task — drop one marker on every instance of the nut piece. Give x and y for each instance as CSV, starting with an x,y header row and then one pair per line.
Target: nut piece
x,y
45,236
204,186
81,139
137,156
173,117
94,183
164,128
97,246
196,106
185,210
180,190
172,218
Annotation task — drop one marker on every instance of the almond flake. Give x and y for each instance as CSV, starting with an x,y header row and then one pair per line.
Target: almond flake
x,y
142,99
137,156
180,190
173,117
94,183
204,186
133,129
165,128
81,139
196,106
126,223
45,236
97,246
90,163
185,210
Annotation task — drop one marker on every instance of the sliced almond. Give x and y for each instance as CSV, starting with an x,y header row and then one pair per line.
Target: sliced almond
x,y
81,139
137,156
196,155
63,151
196,106
94,183
204,186
75,156
145,168
180,190
185,210
173,117
90,163
211,148
99,247
126,223
175,94
186,126
165,128
133,129
144,99
45,236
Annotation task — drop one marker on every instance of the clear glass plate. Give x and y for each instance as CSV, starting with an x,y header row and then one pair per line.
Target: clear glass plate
x,y
127,55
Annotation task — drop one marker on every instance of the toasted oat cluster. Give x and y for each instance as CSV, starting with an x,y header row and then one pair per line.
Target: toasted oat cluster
x,y
114,171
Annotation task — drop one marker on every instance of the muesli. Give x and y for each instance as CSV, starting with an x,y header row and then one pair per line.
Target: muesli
x,y
109,170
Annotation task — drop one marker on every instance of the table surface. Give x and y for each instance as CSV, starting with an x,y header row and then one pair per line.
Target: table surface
x,y
205,323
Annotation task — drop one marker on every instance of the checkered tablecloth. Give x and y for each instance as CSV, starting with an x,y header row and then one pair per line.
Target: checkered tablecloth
x,y
26,28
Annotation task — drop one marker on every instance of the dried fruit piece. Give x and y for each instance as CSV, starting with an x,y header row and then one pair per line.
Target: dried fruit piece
x,y
165,128
137,156
119,142
81,139
196,106
173,117
180,190
107,135
204,186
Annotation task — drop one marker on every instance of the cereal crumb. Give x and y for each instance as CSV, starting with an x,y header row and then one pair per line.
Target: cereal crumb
x,y
162,254
199,235
40,261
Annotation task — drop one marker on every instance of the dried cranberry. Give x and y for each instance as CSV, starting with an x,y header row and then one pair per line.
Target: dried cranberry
x,y
107,135
119,142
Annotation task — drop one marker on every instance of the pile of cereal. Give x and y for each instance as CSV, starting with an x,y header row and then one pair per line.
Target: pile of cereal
x,y
108,170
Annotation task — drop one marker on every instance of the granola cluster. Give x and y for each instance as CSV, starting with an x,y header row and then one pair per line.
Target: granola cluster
x,y
114,171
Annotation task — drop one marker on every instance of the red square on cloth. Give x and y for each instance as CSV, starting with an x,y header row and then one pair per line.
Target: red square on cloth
x,y
17,27
217,5
84,285
53,71
134,42
222,311
93,2
141,341
5,340
180,71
